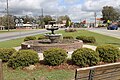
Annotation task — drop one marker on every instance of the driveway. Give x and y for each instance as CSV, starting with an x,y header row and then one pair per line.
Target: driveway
x,y
104,31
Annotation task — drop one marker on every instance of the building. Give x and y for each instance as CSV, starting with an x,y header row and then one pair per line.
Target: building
x,y
26,26
2,27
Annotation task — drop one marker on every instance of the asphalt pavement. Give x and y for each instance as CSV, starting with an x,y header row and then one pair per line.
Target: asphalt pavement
x,y
104,31
20,34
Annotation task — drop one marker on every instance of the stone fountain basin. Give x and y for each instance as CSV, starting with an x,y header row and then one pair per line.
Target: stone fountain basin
x,y
52,35
54,38
36,45
52,28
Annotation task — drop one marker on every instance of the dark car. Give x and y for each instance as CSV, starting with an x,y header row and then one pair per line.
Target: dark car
x,y
112,27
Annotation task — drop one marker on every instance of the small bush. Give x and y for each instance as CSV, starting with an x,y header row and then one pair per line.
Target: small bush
x,y
54,56
81,38
23,58
30,38
5,53
42,37
86,39
90,40
68,37
85,56
70,30
108,53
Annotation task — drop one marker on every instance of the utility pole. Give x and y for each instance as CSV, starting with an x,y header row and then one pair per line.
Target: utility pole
x,y
42,18
95,15
42,12
7,16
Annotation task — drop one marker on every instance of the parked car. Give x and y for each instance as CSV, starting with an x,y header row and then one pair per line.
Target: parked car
x,y
112,27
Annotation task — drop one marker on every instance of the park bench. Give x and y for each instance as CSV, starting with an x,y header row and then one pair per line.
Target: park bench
x,y
101,72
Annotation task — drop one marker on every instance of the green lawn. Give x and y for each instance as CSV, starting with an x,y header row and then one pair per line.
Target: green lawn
x,y
100,39
11,43
38,74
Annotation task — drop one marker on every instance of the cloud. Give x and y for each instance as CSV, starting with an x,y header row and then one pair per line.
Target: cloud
x,y
76,9
71,1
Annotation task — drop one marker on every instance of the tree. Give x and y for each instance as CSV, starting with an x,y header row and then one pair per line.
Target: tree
x,y
27,19
68,23
62,18
11,21
47,18
110,13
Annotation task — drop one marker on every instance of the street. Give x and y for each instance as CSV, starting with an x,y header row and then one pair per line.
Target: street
x,y
104,31
14,35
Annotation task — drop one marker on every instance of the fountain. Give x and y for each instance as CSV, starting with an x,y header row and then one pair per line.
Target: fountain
x,y
54,38
53,41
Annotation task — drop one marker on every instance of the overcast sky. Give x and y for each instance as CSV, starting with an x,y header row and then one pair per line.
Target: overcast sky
x,y
76,9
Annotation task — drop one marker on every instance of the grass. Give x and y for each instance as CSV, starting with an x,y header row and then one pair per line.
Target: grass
x,y
12,43
37,74
42,71
100,39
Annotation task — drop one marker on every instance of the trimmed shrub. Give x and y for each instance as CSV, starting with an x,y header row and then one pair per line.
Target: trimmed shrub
x,y
30,38
91,39
85,56
68,37
70,30
54,56
5,53
85,39
108,53
23,58
42,37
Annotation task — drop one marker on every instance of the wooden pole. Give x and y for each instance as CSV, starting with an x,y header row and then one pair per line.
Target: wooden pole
x,y
8,15
1,71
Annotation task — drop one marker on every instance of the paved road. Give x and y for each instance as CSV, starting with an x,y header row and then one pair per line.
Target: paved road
x,y
14,35
112,33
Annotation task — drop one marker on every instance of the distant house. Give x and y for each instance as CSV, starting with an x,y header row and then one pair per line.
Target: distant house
x,y
26,26
2,27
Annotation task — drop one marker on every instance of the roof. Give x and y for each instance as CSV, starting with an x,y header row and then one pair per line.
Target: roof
x,y
2,26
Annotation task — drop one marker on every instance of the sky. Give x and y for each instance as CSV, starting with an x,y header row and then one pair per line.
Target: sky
x,y
76,9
